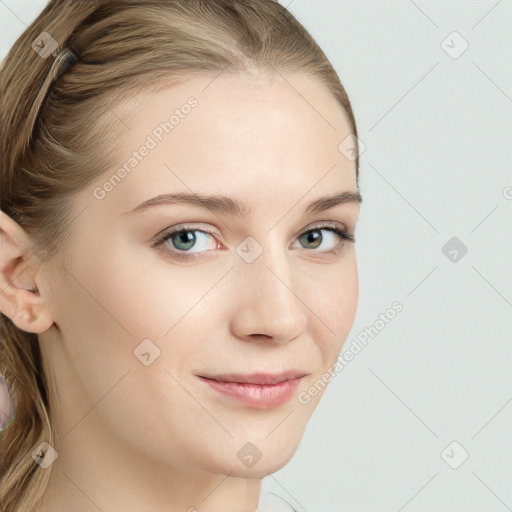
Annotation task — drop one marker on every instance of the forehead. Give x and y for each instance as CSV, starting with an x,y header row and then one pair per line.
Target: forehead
x,y
245,136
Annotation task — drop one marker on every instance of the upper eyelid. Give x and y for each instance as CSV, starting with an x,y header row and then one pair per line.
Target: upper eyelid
x,y
198,227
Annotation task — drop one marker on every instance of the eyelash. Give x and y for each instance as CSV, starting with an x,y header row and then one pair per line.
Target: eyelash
x,y
162,237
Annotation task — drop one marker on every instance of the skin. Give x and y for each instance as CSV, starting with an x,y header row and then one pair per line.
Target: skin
x,y
132,437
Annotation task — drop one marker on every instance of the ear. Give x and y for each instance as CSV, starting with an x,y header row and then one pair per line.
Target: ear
x,y
20,297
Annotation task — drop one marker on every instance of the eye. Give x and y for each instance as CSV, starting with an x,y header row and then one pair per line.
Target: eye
x,y
181,240
185,243
314,238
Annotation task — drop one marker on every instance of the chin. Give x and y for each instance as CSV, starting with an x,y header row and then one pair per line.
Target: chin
x,y
259,470
266,460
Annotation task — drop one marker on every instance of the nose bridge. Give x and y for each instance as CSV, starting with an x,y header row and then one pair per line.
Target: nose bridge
x,y
269,297
273,275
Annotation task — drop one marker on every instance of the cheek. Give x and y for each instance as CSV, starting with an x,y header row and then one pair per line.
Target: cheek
x,y
334,306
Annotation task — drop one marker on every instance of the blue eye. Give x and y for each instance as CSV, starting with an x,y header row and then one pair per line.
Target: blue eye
x,y
185,239
179,241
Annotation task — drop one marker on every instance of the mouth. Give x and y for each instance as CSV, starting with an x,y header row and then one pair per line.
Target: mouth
x,y
258,378
262,391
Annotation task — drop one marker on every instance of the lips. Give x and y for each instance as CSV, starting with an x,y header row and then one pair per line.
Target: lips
x,y
261,396
261,379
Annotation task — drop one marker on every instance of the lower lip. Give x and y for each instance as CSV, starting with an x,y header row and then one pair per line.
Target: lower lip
x,y
255,395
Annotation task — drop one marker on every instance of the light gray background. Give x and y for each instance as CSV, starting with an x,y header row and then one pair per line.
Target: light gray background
x,y
437,164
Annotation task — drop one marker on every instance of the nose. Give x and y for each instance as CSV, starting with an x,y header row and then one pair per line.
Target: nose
x,y
267,300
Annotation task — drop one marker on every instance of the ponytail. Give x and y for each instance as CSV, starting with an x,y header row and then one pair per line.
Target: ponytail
x,y
26,78
21,363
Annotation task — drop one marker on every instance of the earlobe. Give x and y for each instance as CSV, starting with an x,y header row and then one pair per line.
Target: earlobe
x,y
20,297
32,318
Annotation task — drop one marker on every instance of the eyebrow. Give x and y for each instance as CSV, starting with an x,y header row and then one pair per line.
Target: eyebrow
x,y
229,205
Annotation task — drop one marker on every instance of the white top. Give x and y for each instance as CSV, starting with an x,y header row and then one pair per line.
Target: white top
x,y
270,502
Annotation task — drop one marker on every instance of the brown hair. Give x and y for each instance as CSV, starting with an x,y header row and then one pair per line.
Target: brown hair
x,y
56,116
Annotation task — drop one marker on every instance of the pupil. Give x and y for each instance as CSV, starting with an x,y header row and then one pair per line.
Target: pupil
x,y
314,236
186,237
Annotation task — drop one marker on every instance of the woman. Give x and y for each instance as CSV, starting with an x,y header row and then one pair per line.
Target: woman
x,y
179,201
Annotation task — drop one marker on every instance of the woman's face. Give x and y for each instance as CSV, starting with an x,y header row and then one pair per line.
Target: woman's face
x,y
140,319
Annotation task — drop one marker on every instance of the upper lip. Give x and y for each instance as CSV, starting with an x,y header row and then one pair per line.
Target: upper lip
x,y
259,378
